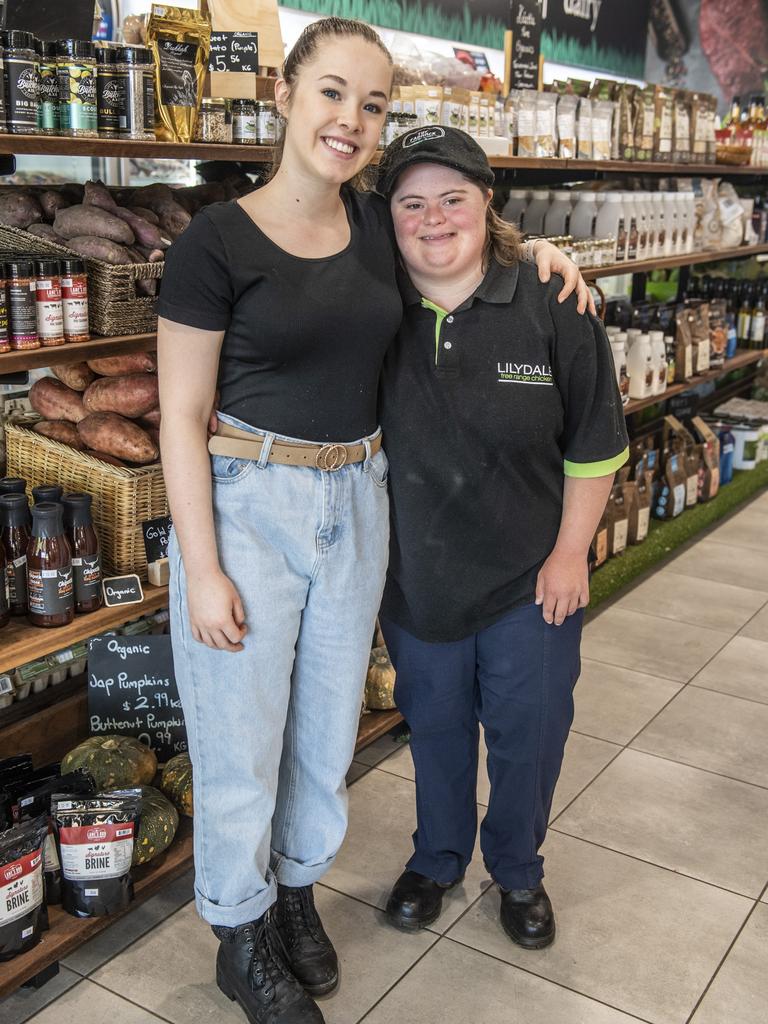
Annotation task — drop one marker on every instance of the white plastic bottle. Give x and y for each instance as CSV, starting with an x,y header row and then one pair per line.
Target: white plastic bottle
x,y
584,216
630,216
650,225
657,201
610,223
558,216
686,201
640,368
670,224
619,350
659,351
514,208
633,333
536,211
681,208
642,226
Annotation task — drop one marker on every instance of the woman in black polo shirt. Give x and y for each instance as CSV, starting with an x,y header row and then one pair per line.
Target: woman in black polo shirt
x,y
504,428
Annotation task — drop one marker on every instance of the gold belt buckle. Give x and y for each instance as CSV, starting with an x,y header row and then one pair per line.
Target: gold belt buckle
x,y
331,457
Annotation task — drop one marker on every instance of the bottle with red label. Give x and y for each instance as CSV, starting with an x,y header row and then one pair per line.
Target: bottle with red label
x,y
50,588
14,535
50,314
86,556
74,297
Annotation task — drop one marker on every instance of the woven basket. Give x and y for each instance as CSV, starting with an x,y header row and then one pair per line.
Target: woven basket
x,y
114,308
122,498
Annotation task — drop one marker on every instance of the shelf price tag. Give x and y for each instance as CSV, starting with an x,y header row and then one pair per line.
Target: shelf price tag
x,y
156,534
120,590
234,51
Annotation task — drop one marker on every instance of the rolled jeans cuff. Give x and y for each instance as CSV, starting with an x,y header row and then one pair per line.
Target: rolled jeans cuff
x,y
292,873
242,913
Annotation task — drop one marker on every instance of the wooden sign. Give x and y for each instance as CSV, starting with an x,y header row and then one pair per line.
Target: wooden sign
x,y
132,691
250,16
156,532
122,590
526,43
234,51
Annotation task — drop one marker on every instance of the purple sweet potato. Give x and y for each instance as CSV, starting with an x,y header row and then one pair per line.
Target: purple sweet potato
x,y
76,221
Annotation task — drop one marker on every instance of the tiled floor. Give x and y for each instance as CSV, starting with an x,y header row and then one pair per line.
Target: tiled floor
x,y
657,858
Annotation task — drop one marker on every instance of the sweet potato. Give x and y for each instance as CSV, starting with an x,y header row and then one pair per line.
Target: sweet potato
x,y
75,375
47,232
142,211
150,255
144,232
130,396
99,249
174,220
151,418
119,366
19,210
104,457
114,435
76,221
50,201
55,401
60,430
96,193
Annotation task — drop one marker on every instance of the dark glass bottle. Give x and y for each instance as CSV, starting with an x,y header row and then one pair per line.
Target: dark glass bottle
x,y
13,485
5,612
49,568
47,492
14,532
86,555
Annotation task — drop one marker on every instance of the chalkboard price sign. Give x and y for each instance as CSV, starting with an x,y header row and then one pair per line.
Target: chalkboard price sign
x,y
234,51
122,590
156,534
526,43
132,691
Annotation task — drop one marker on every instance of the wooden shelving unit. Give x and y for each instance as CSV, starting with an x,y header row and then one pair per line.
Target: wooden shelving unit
x,y
74,352
669,262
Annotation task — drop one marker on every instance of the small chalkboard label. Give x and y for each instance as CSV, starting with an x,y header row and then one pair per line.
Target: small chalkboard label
x,y
122,590
526,43
156,534
132,691
234,51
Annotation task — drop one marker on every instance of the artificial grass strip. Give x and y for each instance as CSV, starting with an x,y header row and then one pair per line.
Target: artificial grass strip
x,y
566,50
665,536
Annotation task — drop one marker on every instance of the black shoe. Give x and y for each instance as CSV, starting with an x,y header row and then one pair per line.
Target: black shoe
x,y
527,917
416,901
311,956
251,968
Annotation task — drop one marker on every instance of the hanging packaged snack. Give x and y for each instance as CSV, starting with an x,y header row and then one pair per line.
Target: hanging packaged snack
x,y
511,108
645,105
600,543
718,332
663,123
22,913
566,126
584,130
96,836
700,337
428,100
526,125
626,121
681,129
637,500
546,125
455,105
670,501
617,521
709,474
180,41
699,127
602,129
684,345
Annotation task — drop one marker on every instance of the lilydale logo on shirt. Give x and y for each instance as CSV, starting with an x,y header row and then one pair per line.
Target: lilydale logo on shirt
x,y
525,373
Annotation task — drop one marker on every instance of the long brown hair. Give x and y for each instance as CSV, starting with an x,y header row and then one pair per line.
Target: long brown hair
x,y
503,239
306,46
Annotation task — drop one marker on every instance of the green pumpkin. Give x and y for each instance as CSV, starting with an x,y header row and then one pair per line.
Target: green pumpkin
x,y
177,782
157,825
115,762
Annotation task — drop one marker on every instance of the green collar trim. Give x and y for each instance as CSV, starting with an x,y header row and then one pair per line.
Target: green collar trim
x,y
440,315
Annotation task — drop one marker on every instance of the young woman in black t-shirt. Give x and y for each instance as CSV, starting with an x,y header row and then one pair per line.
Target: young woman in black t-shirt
x,y
286,300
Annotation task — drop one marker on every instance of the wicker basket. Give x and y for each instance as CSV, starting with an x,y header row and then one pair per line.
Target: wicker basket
x,y
122,498
114,307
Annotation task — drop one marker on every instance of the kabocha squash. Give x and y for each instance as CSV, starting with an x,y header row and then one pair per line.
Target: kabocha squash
x,y
177,782
115,762
380,684
157,825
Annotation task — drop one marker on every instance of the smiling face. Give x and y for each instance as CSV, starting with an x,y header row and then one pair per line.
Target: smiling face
x,y
335,108
439,219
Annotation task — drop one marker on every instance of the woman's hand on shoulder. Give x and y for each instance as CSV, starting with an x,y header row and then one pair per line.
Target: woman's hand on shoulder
x,y
549,260
216,614
562,586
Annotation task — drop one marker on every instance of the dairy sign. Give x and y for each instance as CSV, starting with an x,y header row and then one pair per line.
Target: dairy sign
x,y
608,35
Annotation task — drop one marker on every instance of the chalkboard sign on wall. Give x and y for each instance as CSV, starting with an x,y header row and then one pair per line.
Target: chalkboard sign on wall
x,y
526,43
156,535
234,51
132,691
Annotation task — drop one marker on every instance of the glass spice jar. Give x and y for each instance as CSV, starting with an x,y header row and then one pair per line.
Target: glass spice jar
x,y
266,123
5,343
50,315
48,108
74,300
137,115
110,92
214,121
78,107
244,122
22,83
22,308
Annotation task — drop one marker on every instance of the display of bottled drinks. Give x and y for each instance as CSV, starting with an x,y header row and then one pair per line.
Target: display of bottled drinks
x,y
743,134
744,302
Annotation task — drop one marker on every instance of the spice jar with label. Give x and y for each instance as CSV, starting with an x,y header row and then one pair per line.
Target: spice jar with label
x,y
214,121
137,114
14,536
50,315
22,83
266,123
244,128
110,92
5,343
22,308
86,557
48,108
50,589
78,107
74,300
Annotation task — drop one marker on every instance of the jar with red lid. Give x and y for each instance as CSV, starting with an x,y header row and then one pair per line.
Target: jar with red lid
x,y
50,315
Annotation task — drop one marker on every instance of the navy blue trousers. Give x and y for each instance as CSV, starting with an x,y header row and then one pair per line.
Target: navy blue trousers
x,y
516,678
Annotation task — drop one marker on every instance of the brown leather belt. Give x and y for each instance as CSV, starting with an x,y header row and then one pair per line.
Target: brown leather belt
x,y
241,444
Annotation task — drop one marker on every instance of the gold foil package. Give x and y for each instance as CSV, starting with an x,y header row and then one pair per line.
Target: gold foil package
x,y
180,40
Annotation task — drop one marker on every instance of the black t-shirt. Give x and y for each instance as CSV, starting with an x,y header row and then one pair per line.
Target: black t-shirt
x,y
305,338
485,410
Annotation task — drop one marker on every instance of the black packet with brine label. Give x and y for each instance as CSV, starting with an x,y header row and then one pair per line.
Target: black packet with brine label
x,y
22,902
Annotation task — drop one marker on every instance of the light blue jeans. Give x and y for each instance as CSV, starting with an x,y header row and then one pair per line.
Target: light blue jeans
x,y
272,728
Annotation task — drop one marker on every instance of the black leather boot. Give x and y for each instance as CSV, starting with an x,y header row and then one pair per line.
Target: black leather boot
x,y
416,901
527,917
311,956
251,968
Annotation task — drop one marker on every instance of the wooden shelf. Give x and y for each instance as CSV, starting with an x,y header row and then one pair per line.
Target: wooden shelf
x,y
745,357
375,724
22,643
667,262
75,352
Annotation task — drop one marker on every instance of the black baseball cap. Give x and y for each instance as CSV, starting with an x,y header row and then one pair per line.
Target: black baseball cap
x,y
434,144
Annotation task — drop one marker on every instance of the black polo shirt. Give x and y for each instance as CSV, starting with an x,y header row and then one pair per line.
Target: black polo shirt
x,y
485,410
305,338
